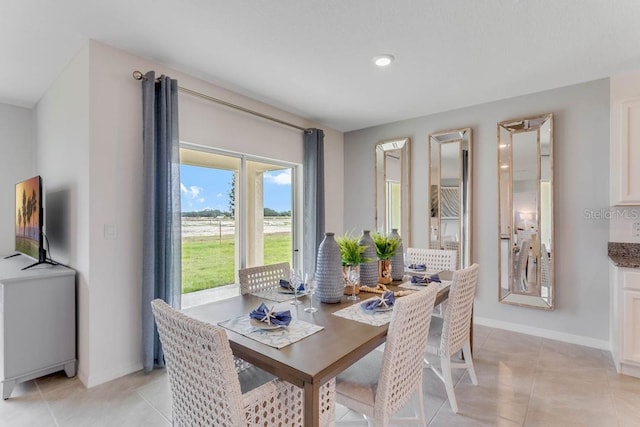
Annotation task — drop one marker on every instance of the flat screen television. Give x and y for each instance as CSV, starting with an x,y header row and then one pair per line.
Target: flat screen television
x,y
30,219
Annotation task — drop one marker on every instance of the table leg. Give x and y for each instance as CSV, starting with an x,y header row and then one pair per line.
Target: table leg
x,y
311,404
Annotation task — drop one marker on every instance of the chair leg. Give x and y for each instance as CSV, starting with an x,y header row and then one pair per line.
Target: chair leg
x,y
421,414
466,351
445,363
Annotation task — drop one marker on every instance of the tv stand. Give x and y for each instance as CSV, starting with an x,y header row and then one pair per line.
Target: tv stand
x,y
37,321
39,263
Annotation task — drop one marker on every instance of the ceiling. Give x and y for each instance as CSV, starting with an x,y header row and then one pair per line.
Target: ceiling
x,y
313,57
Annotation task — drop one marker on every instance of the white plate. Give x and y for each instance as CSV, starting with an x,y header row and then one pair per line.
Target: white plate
x,y
264,326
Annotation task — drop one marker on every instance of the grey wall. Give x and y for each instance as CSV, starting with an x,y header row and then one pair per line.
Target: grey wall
x,y
581,156
17,162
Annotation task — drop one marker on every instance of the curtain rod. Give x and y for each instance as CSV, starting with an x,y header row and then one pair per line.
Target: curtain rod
x,y
139,76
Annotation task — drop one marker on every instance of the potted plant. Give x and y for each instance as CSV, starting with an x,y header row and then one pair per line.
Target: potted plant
x,y
386,248
352,255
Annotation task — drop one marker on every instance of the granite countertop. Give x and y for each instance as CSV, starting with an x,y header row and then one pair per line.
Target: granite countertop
x,y
625,255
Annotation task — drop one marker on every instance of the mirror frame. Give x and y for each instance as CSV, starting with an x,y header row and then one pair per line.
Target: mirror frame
x,y
464,136
382,148
506,212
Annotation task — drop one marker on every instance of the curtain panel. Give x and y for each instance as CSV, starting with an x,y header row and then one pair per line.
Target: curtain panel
x,y
161,274
313,201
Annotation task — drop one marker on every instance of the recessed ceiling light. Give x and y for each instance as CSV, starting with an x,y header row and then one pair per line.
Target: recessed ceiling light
x,y
383,60
505,166
503,145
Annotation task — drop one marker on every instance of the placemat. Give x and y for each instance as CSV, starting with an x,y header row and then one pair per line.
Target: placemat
x,y
419,287
276,295
357,313
278,338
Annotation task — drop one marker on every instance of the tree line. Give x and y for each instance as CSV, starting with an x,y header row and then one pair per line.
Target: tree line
x,y
214,213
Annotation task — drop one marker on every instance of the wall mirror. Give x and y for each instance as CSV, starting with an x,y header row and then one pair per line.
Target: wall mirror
x,y
525,175
393,187
450,192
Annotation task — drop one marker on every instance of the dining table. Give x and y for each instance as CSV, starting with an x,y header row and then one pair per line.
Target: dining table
x,y
313,360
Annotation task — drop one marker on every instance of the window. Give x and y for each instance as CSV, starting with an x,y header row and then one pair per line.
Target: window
x,y
237,211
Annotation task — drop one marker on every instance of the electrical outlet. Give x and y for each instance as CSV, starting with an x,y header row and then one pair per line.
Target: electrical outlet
x,y
635,229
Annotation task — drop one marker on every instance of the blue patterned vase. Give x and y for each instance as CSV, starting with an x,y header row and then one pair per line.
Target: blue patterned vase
x,y
329,283
368,270
397,261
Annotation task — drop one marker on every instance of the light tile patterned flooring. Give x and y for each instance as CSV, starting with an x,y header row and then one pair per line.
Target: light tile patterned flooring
x,y
523,381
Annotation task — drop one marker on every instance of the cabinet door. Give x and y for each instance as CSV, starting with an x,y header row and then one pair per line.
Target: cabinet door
x,y
626,172
631,345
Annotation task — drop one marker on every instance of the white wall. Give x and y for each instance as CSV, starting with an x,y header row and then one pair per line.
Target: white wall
x,y
581,153
623,87
62,128
17,162
104,158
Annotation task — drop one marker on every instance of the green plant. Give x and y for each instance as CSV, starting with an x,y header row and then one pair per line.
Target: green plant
x,y
350,251
386,247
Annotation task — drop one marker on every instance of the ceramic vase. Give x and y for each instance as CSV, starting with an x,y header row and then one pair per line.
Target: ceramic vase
x,y
397,260
329,282
368,270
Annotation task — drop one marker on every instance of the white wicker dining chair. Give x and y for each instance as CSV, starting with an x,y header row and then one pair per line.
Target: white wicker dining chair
x,y
450,334
451,245
263,277
382,383
206,390
434,259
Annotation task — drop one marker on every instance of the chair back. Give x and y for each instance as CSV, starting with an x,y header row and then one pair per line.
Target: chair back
x,y
401,371
434,259
451,245
261,278
457,317
205,388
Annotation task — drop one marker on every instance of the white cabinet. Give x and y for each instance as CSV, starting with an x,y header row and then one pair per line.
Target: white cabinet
x,y
626,323
37,321
625,153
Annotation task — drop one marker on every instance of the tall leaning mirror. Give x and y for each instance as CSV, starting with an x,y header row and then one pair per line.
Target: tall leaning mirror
x,y
393,187
450,192
525,175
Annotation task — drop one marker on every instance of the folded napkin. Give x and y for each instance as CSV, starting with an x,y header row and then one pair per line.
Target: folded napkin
x,y
418,267
285,284
419,279
386,300
270,317
426,279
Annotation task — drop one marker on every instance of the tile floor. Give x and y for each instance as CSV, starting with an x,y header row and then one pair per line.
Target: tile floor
x,y
523,381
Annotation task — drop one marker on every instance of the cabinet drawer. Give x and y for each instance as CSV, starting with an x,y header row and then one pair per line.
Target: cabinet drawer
x,y
631,280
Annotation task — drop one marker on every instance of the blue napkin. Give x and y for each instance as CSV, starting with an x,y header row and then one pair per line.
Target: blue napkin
x,y
270,317
386,300
426,279
285,284
418,267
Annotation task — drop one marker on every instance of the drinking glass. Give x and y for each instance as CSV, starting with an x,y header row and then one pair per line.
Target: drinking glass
x,y
311,287
352,280
294,281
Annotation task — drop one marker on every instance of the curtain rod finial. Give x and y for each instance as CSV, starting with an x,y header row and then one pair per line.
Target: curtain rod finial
x,y
138,75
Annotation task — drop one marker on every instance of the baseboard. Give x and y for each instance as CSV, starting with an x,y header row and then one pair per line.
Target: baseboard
x,y
631,370
96,379
543,333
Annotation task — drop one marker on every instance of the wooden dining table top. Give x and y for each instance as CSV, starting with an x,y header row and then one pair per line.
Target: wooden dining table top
x,y
314,359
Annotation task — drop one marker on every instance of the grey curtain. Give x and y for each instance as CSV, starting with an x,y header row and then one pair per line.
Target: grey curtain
x,y
161,271
313,202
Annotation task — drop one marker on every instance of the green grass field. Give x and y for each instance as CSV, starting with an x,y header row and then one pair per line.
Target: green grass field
x,y
208,262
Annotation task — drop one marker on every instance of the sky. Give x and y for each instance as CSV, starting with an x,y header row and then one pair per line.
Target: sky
x,y
207,188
